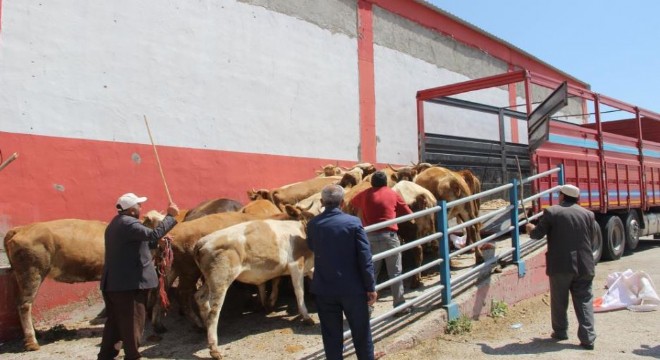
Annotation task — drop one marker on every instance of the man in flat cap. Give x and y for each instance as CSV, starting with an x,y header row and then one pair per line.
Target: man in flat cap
x,y
569,263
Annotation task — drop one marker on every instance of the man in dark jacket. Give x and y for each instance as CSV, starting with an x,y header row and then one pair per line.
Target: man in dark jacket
x,y
569,263
128,274
343,282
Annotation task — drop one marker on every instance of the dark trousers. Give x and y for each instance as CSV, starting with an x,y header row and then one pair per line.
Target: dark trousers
x,y
331,310
126,312
580,290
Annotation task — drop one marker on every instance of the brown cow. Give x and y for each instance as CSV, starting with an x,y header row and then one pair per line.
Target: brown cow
x,y
253,253
473,183
417,198
214,206
448,185
330,170
404,173
67,250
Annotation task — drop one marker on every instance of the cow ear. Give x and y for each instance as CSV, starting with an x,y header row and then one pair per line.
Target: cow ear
x,y
291,210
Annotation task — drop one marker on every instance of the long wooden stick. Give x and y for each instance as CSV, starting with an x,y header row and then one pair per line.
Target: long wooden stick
x,y
160,167
522,190
13,157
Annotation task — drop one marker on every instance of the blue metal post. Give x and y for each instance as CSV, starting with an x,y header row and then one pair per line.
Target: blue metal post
x,y
445,274
560,175
515,234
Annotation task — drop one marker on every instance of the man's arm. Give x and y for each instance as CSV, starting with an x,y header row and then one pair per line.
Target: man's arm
x,y
539,231
365,264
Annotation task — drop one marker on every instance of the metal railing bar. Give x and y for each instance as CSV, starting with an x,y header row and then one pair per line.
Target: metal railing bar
x,y
408,274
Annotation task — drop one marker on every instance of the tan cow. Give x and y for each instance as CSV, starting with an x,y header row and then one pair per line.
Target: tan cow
x,y
293,193
404,173
260,207
67,250
311,204
449,185
252,252
330,170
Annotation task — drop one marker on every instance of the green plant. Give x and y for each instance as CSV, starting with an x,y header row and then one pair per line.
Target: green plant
x,y
458,326
498,308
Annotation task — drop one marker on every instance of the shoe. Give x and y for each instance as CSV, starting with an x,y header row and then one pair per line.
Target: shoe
x,y
558,336
406,311
587,346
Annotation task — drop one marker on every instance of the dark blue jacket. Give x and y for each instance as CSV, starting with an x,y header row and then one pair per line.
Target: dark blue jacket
x,y
342,256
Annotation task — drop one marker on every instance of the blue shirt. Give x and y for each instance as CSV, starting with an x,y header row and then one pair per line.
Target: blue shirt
x,y
342,256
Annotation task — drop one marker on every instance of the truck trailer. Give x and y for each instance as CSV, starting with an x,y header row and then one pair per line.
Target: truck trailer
x,y
608,148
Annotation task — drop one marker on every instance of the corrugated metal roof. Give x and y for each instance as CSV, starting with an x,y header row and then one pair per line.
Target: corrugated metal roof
x,y
500,40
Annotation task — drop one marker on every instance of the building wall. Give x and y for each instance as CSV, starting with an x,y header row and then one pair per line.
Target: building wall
x,y
239,94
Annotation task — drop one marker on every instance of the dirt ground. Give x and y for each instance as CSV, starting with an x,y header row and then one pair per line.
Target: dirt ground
x,y
525,331
280,335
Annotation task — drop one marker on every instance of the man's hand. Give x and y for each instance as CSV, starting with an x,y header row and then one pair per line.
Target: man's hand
x,y
529,228
172,210
372,296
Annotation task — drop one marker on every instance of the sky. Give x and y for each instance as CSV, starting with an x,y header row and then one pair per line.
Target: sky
x,y
613,45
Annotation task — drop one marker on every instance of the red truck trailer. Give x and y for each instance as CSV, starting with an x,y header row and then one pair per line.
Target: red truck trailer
x,y
610,149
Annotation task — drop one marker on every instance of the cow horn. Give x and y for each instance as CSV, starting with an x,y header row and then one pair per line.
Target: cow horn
x,y
393,169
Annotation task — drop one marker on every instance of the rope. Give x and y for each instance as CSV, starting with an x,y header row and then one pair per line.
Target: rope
x,y
164,258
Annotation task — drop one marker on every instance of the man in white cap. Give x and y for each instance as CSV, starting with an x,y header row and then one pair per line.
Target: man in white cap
x,y
128,274
569,263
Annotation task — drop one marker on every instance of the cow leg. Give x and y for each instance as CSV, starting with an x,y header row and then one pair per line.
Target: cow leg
x,y
417,254
187,288
157,312
296,269
274,292
262,297
29,280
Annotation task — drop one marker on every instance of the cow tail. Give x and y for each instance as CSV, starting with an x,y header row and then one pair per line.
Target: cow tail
x,y
8,243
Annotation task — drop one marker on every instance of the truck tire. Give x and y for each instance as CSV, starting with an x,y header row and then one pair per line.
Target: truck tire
x,y
597,243
631,226
614,241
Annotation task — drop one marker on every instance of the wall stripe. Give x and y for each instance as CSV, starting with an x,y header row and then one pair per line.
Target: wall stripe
x,y
367,82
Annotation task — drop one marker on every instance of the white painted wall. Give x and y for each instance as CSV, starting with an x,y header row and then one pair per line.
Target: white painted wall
x,y
398,78
212,74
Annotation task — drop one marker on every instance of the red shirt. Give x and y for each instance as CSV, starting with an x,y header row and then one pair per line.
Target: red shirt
x,y
380,204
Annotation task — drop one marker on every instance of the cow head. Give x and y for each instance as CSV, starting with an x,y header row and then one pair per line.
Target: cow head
x,y
407,173
152,219
419,167
259,194
298,213
351,178
329,170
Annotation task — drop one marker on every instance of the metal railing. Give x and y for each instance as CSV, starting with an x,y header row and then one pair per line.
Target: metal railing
x,y
446,284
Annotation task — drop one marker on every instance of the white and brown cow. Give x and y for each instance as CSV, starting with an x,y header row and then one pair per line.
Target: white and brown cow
x,y
449,185
252,252
67,250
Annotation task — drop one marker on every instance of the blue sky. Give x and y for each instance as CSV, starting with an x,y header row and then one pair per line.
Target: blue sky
x,y
612,45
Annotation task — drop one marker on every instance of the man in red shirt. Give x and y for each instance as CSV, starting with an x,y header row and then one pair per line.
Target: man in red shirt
x,y
378,204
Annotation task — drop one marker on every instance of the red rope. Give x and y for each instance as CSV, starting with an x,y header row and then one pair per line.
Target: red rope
x,y
164,258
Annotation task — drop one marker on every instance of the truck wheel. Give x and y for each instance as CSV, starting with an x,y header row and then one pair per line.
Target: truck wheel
x,y
597,243
614,241
631,225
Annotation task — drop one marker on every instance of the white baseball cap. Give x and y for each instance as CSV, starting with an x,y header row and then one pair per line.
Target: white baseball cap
x,y
570,190
129,200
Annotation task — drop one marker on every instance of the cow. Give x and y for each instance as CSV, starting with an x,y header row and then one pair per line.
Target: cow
x,y
351,178
417,198
259,194
184,236
260,207
293,193
330,170
312,204
449,185
212,207
407,173
252,252
66,250
473,183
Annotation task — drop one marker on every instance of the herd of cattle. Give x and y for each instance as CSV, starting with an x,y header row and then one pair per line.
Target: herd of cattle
x,y
221,240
